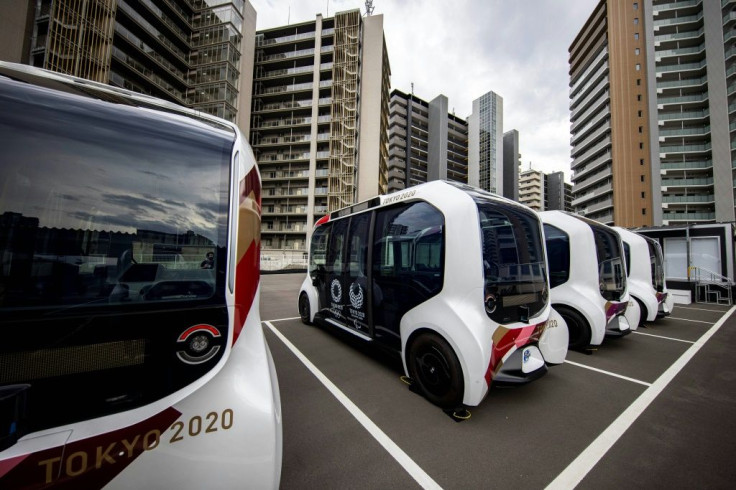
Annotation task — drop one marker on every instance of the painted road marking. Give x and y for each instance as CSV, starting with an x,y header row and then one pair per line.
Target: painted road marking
x,y
700,309
663,337
688,320
284,319
581,466
608,373
395,451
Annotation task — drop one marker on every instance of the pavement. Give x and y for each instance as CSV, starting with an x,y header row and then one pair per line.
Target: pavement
x,y
656,408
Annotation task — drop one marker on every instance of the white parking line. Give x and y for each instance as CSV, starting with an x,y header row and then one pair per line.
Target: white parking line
x,y
698,309
283,319
395,451
581,466
608,373
689,320
663,337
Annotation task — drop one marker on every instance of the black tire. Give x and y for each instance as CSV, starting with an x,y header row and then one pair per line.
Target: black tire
x,y
304,309
433,365
577,326
642,312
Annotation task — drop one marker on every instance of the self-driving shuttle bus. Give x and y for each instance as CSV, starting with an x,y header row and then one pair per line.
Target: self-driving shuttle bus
x,y
451,277
656,258
132,354
587,277
645,278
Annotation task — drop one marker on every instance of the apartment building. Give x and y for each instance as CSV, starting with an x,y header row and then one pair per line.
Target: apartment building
x,y
691,49
425,142
197,53
485,143
652,108
319,122
511,164
558,193
532,189
611,164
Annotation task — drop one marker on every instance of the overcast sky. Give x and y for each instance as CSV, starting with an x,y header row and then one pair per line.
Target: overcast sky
x,y
465,48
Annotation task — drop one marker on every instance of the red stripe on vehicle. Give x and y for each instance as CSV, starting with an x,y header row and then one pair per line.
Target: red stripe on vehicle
x,y
515,337
247,277
92,462
195,328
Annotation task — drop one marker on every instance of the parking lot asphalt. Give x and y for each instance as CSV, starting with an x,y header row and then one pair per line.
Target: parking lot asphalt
x,y
653,409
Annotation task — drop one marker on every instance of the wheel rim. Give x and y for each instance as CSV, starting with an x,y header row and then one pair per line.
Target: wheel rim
x,y
433,371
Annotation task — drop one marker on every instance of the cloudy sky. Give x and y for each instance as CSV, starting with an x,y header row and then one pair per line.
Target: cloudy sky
x,y
465,48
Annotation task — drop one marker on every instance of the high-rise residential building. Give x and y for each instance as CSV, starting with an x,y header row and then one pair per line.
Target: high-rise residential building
x,y
532,189
425,142
690,55
544,192
511,164
198,53
612,180
651,115
485,143
558,195
320,122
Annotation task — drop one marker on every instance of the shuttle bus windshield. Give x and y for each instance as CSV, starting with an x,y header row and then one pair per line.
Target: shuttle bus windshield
x,y
513,262
656,261
611,273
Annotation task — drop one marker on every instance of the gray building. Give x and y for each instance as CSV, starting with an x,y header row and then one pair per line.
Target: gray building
x,y
196,53
485,143
558,195
319,124
425,142
511,164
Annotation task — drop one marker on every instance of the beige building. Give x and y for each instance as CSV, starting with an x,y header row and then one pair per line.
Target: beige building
x,y
320,122
609,117
531,189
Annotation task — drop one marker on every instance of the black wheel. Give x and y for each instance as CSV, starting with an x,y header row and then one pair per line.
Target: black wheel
x,y
304,309
433,365
577,326
642,312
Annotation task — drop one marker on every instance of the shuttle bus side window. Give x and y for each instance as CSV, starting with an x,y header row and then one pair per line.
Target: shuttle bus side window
x,y
334,259
627,254
318,252
408,260
558,255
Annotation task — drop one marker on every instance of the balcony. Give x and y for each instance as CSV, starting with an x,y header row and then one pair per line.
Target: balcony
x,y
668,133
684,115
685,99
678,21
260,41
688,82
679,36
700,199
285,56
688,216
698,182
699,165
680,67
296,87
664,150
605,189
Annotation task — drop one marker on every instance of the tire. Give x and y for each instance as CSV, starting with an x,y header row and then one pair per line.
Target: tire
x,y
435,368
305,309
642,312
577,326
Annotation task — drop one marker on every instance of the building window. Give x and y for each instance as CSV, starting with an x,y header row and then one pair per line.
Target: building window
x,y
636,21
639,113
637,51
641,129
636,5
641,147
638,80
643,194
641,177
638,97
643,212
638,68
641,161
636,36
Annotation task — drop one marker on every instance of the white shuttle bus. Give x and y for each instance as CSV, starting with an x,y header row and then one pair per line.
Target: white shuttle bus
x,y
587,277
645,278
451,277
133,354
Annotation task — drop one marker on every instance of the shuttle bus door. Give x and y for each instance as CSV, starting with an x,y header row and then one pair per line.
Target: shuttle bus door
x,y
355,280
